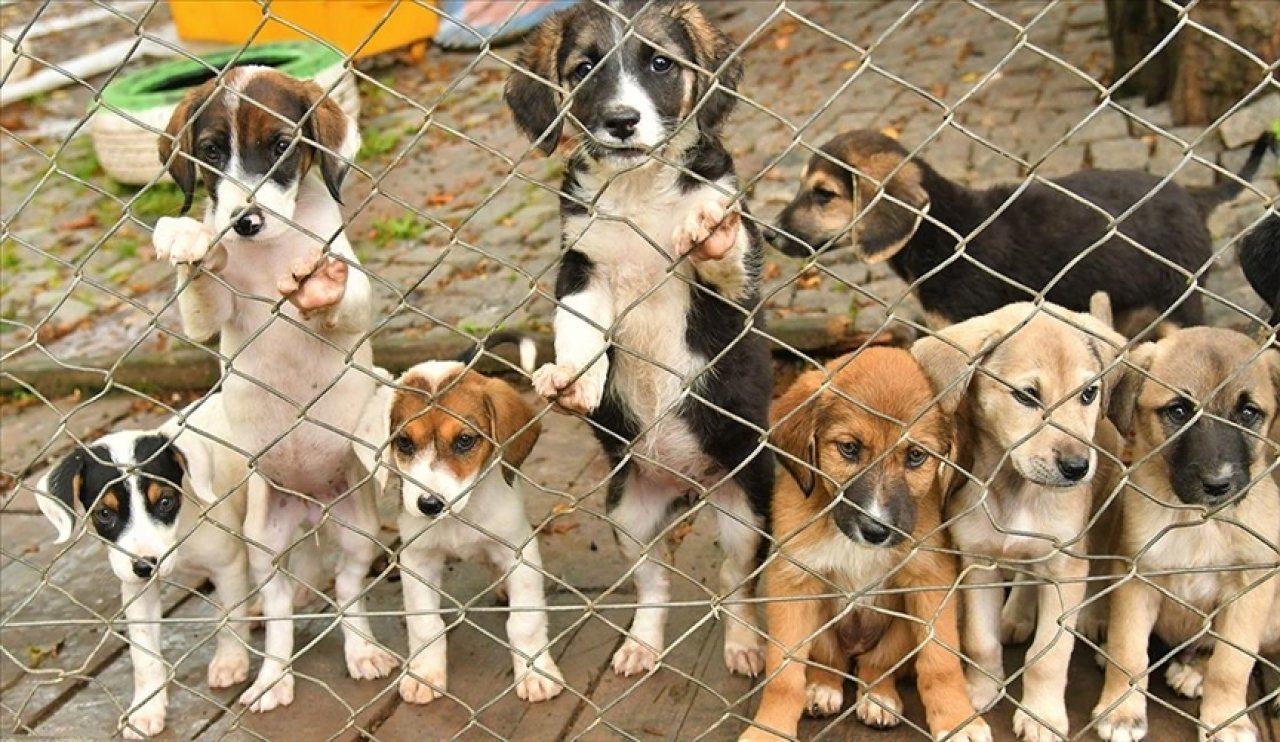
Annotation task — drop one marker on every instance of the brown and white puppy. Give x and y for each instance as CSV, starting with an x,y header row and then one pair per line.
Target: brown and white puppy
x,y
860,187
862,565
299,379
1199,523
1036,454
457,440
657,330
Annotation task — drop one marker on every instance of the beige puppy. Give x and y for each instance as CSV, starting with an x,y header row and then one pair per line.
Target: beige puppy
x,y
1038,453
1199,521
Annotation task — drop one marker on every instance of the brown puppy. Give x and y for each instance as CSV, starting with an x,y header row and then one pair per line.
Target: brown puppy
x,y
1199,521
859,543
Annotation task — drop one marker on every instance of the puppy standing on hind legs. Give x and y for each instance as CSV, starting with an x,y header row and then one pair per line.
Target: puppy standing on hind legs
x,y
649,316
255,133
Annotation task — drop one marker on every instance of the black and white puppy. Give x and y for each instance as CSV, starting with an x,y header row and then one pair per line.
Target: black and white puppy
x,y
657,336
162,500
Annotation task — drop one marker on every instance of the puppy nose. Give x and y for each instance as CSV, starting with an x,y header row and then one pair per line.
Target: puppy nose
x,y
1073,467
430,505
144,566
873,532
1216,486
250,222
621,121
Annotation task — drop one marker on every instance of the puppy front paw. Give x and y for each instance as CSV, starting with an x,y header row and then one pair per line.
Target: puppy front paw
x,y
541,683
821,699
1040,724
147,720
1240,730
984,690
571,390
269,693
229,667
431,686
633,658
315,282
1126,723
368,661
878,711
1016,624
709,231
743,654
975,731
185,241
1185,679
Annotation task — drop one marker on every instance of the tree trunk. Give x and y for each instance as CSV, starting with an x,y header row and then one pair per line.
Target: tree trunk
x,y
1202,75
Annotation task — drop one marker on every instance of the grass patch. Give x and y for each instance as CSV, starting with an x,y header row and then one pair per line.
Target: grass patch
x,y
407,227
125,247
378,142
79,160
10,259
161,199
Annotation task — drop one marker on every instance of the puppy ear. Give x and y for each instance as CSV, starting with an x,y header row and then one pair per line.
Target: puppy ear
x,y
510,425
58,493
950,357
794,431
338,137
1100,308
181,132
1122,407
194,454
535,103
711,51
883,226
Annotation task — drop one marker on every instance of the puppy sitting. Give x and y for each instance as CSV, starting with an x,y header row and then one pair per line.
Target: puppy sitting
x,y
860,186
860,516
271,271
163,500
1199,520
457,440
1030,429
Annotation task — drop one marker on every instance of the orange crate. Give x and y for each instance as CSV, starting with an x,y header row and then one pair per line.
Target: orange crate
x,y
346,24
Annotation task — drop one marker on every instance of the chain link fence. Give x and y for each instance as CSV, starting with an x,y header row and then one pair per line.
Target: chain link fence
x,y
455,224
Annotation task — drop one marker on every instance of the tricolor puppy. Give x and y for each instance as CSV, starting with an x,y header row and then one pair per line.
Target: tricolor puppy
x,y
457,440
1198,526
1037,455
862,188
299,388
860,515
656,329
162,500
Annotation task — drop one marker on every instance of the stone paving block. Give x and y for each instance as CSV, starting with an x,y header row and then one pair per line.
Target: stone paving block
x,y
1119,154
1245,125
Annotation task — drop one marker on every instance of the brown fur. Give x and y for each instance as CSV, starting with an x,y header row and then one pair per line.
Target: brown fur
x,y
879,396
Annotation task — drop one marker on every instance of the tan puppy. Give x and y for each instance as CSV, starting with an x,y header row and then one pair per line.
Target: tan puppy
x,y
1200,520
1032,432
859,544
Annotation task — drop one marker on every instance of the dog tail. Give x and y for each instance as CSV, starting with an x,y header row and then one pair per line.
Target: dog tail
x,y
528,348
1260,261
1208,199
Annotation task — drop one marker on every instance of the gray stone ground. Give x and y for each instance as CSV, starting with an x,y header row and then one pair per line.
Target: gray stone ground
x,y
454,241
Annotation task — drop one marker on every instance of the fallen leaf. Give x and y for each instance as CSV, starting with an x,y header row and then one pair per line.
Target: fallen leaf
x,y
781,43
560,508
969,77
936,40
439,199
810,279
82,222
36,655
771,271
939,89
891,131
563,526
849,64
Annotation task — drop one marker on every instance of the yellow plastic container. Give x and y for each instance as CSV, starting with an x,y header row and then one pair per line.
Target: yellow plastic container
x,y
346,24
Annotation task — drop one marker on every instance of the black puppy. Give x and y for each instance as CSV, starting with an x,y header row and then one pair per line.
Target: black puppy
x,y
657,333
1260,261
862,188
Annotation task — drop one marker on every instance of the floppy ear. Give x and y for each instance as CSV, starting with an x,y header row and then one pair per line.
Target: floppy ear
x,y
1124,397
338,137
950,357
181,132
883,227
711,51
794,431
58,493
194,454
1105,342
510,426
535,103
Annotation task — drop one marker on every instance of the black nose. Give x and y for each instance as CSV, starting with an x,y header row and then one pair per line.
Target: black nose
x,y
1073,467
430,505
873,531
621,121
249,223
1216,486
144,566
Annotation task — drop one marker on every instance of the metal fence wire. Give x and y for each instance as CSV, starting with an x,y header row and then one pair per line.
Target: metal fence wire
x,y
454,220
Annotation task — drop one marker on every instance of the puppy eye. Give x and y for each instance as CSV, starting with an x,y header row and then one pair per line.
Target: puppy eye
x,y
464,443
849,449
581,70
916,457
1088,396
280,147
1028,396
104,517
1250,415
166,504
661,64
823,196
1178,412
211,153
404,445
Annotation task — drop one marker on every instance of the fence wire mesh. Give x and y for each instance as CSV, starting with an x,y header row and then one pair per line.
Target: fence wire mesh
x,y
451,231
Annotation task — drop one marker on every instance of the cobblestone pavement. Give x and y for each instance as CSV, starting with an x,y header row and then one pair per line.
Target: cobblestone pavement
x,y
454,239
